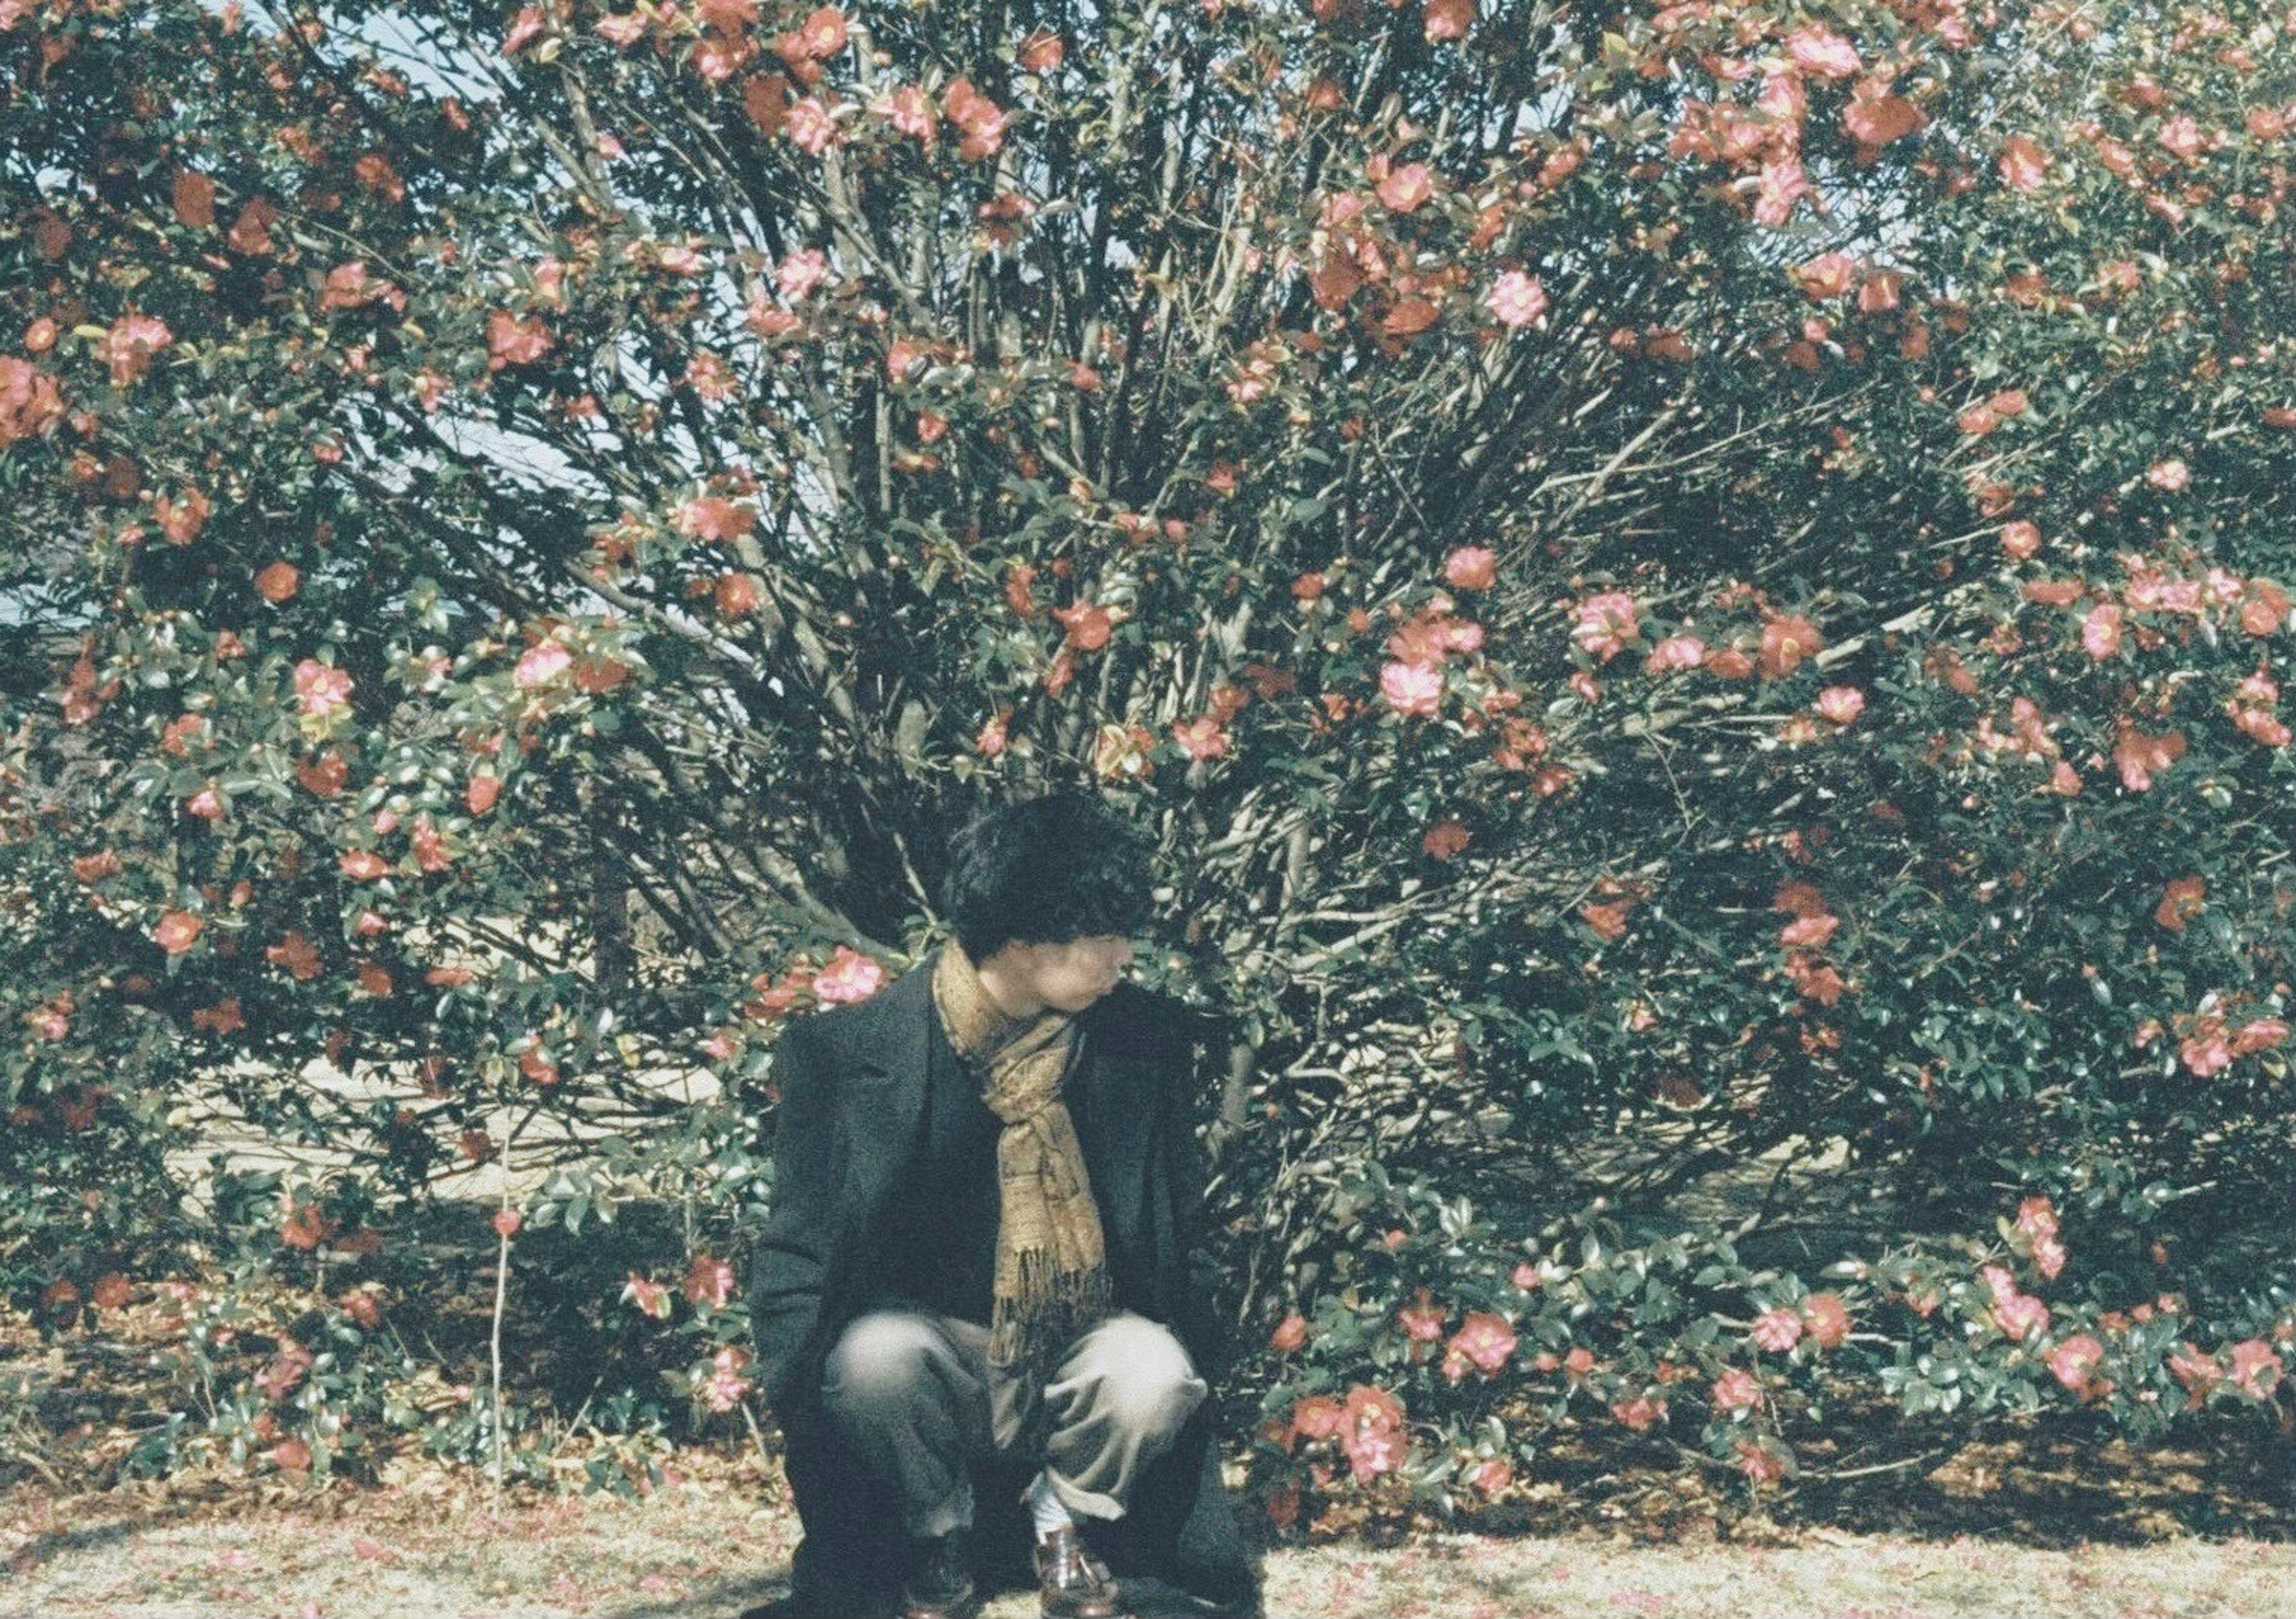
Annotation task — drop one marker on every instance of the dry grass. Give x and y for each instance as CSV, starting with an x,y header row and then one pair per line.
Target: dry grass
x,y
705,1547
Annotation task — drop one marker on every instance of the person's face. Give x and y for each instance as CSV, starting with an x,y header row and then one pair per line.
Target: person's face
x,y
1073,974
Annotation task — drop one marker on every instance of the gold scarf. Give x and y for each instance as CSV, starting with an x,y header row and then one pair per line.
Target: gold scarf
x,y
1052,1274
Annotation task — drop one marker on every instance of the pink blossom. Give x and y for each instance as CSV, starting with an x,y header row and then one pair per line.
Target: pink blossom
x,y
542,663
1819,49
1485,1339
1676,652
2101,631
322,690
2171,475
2048,1256
726,1384
800,273
1412,689
2255,1369
1406,187
1516,300
2075,1361
1606,623
1642,1413
849,976
1841,704
1371,1431
1736,1390
810,125
2024,164
1777,1330
2019,1314
1781,186
130,344
1472,568
1827,1319
1760,1463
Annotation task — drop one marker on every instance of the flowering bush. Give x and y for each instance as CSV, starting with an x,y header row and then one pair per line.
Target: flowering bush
x,y
1697,603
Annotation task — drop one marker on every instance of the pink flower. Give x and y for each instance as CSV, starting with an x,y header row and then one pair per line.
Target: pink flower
x,y
2024,164
800,273
1290,1334
810,125
2255,1369
1422,1321
709,518
2021,1315
1606,623
524,29
1782,184
1819,49
514,342
1736,1390
652,1297
1841,704
1827,1319
1493,1477
1485,1339
1828,275
1525,1275
2197,1371
542,662
1776,1331
286,1370
1442,20
727,1384
1642,1413
1472,568
2101,631
1371,1431
849,976
1406,187
1412,689
2171,475
1201,738
1516,299
322,690
2048,1256
1315,1417
130,344
709,1283
1676,652
2075,1361
1760,1463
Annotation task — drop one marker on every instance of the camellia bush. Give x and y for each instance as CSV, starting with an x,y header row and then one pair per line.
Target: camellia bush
x,y
1694,600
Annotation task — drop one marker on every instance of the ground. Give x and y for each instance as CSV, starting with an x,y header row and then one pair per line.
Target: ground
x,y
716,1540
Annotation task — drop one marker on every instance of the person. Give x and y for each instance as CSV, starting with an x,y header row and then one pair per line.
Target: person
x,y
973,1303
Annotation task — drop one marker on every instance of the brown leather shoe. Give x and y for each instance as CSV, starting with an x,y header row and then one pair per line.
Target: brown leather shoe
x,y
1071,1583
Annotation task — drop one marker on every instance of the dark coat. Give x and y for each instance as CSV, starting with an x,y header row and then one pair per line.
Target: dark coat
x,y
853,1082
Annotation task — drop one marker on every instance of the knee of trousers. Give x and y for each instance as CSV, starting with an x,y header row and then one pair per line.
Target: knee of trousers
x,y
1135,1374
879,1363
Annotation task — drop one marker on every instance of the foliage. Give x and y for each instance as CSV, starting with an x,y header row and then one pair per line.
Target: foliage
x,y
1696,601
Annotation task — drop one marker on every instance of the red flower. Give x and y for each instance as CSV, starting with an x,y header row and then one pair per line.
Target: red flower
x,y
1290,1334
1422,1322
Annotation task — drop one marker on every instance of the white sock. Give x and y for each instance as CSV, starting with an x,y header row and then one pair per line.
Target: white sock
x,y
1045,1508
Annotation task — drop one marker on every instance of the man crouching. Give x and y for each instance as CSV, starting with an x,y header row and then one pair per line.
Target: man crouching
x,y
976,1275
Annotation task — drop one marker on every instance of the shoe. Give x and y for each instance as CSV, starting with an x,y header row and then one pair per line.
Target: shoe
x,y
940,1585
1071,1583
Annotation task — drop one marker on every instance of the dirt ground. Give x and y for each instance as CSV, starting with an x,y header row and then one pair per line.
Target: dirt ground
x,y
705,1548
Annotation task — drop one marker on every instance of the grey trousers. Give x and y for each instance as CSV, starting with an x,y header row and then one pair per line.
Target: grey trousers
x,y
910,1390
